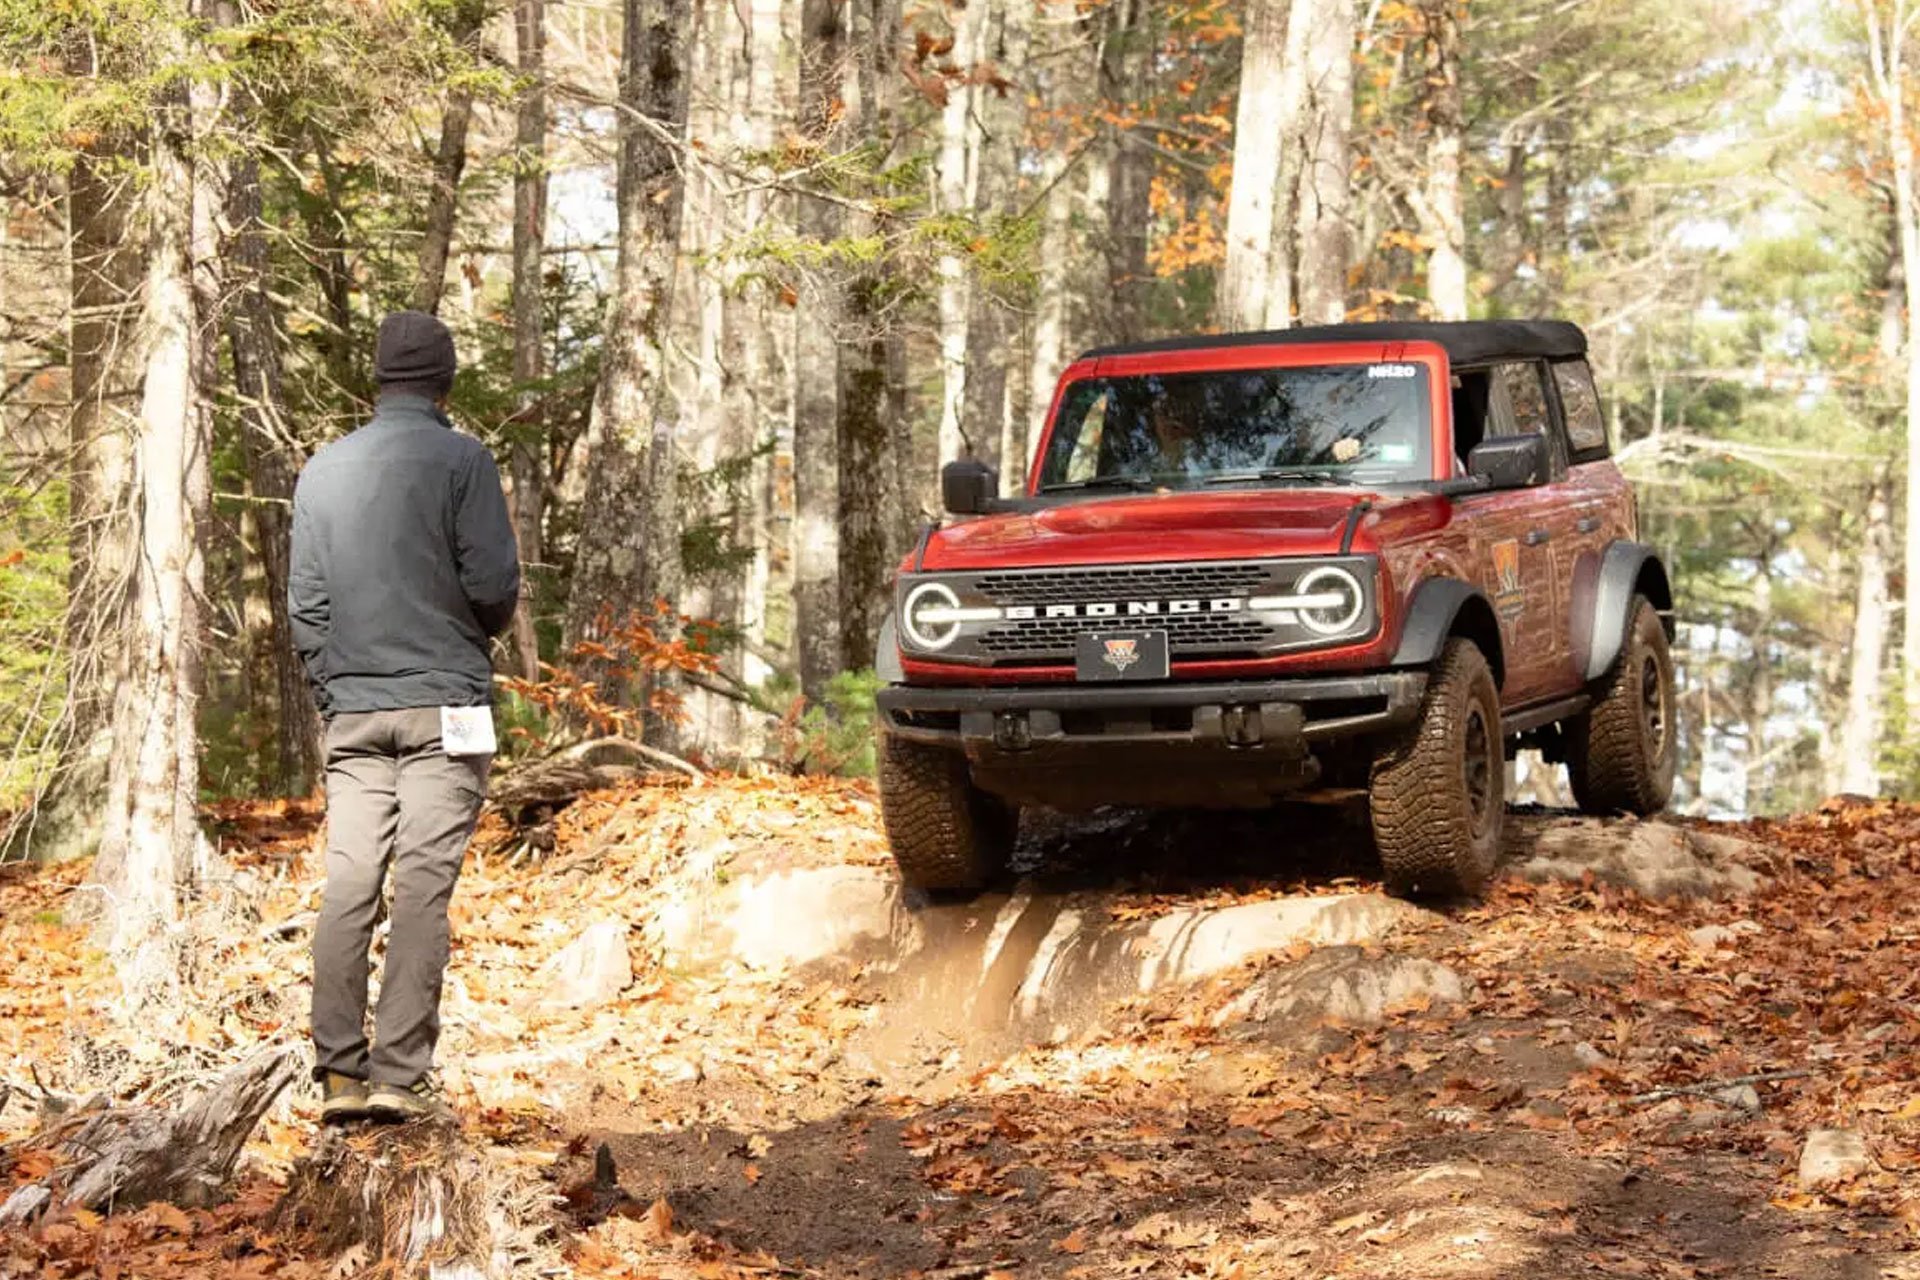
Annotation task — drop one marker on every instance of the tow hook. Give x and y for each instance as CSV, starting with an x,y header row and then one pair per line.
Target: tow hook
x,y
1011,732
1241,725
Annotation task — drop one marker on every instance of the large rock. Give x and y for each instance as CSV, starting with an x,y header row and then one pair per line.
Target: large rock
x,y
1653,858
1832,1157
790,918
1044,967
1344,985
593,969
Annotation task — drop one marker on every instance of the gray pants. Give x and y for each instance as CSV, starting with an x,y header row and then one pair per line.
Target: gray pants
x,y
392,797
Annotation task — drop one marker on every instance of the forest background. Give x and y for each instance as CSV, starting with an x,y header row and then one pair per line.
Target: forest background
x,y
731,279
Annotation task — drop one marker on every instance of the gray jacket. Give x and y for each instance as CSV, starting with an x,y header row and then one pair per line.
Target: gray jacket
x,y
404,564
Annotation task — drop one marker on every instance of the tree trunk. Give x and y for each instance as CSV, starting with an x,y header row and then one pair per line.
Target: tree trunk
x,y
1556,250
1326,176
271,453
1125,66
449,162
527,500
320,211
870,499
629,548
1047,352
1438,204
104,282
151,845
1263,215
957,165
816,442
1759,685
1909,254
1860,728
770,334
991,332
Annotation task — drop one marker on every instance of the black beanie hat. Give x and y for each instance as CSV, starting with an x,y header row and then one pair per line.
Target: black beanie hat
x,y
414,354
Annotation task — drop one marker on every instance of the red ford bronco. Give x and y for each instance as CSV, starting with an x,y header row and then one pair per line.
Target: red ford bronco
x,y
1370,556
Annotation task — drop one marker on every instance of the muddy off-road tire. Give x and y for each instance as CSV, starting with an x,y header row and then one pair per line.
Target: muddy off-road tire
x,y
946,833
1620,752
1438,795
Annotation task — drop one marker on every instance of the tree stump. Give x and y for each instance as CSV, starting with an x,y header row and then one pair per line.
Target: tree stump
x,y
410,1197
119,1157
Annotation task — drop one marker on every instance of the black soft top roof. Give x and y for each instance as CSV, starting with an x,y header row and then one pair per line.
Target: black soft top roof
x,y
1466,342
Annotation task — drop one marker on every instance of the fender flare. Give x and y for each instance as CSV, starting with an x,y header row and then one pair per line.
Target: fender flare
x,y
886,653
1436,607
1603,602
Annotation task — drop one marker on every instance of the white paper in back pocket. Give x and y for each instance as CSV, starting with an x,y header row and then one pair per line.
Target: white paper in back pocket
x,y
466,731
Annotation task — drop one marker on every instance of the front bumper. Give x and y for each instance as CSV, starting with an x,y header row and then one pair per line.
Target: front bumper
x,y
1213,742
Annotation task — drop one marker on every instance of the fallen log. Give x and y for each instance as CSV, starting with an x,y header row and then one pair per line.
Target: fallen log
x,y
529,794
413,1196
115,1157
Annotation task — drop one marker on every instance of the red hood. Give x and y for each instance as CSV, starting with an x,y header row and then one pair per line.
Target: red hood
x,y
1145,527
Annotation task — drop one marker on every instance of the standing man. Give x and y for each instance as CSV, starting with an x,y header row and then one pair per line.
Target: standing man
x,y
404,567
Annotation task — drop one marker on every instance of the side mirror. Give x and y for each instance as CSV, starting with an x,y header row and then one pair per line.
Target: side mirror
x,y
968,487
1510,462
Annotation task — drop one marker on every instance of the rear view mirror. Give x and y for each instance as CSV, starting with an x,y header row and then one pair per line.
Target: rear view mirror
x,y
1510,462
968,487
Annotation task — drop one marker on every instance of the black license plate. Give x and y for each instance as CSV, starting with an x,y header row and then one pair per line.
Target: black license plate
x,y
1121,655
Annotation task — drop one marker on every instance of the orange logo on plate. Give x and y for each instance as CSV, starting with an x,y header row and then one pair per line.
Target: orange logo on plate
x,y
1122,654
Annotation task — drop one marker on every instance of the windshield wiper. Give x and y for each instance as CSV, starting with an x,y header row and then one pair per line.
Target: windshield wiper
x,y
1139,483
1276,473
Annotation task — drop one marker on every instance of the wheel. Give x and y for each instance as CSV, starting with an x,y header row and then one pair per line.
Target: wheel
x,y
1438,795
945,832
1620,752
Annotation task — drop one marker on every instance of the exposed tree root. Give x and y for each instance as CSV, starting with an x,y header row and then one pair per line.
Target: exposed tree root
x,y
118,1157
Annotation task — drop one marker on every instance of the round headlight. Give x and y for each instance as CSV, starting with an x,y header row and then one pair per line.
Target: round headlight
x,y
927,617
1340,600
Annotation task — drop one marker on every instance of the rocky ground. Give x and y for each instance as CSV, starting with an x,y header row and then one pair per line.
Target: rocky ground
x,y
1178,1045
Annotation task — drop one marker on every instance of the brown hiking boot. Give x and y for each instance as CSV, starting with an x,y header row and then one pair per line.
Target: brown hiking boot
x,y
393,1104
342,1099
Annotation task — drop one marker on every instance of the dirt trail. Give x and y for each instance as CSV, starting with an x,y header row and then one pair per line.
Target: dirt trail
x,y
1179,1045
1042,1085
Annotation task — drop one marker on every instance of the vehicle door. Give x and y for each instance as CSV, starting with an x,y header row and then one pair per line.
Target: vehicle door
x,y
1516,531
1597,498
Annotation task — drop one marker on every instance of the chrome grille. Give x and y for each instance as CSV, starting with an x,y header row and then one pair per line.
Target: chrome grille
x,y
1194,634
1044,637
1128,582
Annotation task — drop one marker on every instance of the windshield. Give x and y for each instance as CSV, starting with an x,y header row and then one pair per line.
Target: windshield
x,y
1346,423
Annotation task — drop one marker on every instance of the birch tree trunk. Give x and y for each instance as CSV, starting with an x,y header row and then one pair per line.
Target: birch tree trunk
x,y
629,549
151,846
1860,728
1436,197
1000,113
1326,173
526,463
1257,279
816,422
1065,72
769,334
957,166
1905,218
1241,303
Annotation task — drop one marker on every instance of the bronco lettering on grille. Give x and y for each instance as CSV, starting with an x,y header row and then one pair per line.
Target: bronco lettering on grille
x,y
1131,608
